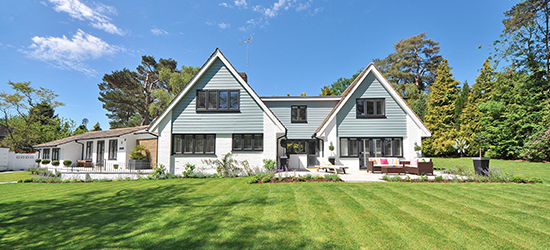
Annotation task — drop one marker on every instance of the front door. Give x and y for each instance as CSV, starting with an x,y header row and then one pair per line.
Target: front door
x,y
312,152
100,153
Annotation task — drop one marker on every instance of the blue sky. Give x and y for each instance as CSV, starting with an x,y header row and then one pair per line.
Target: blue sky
x,y
298,45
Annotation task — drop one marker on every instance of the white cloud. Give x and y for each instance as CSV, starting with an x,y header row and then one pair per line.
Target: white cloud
x,y
67,53
44,3
224,5
80,11
224,25
304,6
158,32
240,3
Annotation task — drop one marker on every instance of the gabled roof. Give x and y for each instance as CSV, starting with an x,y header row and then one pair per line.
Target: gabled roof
x,y
92,135
217,55
346,95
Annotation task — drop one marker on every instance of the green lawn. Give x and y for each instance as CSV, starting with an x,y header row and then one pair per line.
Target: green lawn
x,y
530,169
14,176
228,213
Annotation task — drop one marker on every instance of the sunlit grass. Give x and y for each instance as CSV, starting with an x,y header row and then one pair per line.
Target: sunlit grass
x,y
15,176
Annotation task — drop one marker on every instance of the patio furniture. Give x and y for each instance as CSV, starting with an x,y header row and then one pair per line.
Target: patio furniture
x,y
326,165
392,169
420,166
376,164
84,163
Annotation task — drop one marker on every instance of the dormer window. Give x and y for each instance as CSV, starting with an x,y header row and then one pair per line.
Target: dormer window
x,y
217,100
371,108
298,114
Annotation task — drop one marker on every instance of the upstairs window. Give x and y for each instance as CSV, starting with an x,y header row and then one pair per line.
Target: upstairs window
x,y
298,114
218,100
371,108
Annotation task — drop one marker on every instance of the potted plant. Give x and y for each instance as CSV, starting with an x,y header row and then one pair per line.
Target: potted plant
x,y
67,163
38,160
481,164
331,158
139,158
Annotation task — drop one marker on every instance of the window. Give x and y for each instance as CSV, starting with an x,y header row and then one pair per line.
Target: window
x,y
298,113
376,147
371,108
113,144
89,150
248,142
193,144
216,100
55,154
46,153
296,146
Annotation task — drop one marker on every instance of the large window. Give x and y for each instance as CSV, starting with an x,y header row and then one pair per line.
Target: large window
x,y
46,153
89,150
218,100
248,142
376,147
296,146
100,152
193,144
55,154
298,113
113,144
371,108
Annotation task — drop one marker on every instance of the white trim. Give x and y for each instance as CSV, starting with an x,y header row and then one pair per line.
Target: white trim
x,y
298,99
202,71
389,89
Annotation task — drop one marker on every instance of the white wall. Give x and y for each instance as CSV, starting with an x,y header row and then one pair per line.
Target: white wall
x,y
4,158
413,135
21,161
164,153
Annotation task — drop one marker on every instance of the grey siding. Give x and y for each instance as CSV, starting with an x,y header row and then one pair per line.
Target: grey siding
x,y
395,123
317,111
187,120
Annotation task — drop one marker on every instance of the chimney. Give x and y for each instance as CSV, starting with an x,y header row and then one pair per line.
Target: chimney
x,y
243,75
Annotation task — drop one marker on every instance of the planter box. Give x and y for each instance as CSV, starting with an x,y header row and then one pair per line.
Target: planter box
x,y
481,165
139,164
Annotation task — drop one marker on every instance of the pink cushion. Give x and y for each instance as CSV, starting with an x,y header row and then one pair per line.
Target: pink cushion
x,y
414,162
383,161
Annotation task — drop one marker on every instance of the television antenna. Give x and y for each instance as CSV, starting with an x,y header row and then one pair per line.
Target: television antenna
x,y
247,41
85,122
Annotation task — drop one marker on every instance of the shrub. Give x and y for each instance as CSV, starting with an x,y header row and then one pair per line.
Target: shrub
x,y
46,161
189,168
385,177
37,160
266,179
395,178
139,152
537,147
67,163
55,163
535,180
408,178
27,181
333,177
423,177
439,178
254,179
226,166
317,177
518,178
270,165
172,176
158,174
308,177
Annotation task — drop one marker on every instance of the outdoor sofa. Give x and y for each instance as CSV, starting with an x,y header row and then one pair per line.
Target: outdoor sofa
x,y
376,164
420,166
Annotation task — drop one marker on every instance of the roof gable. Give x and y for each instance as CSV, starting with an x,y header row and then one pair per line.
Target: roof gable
x,y
348,93
217,55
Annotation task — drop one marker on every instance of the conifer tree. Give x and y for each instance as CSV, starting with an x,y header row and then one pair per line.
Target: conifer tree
x,y
470,117
440,113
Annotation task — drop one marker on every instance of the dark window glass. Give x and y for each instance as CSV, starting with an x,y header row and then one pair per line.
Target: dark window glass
x,y
353,147
258,142
234,101
247,142
113,149
46,154
298,113
344,147
237,142
199,144
100,151
370,108
188,142
212,99
201,100
223,100
380,147
210,144
55,154
178,144
89,150
397,146
388,146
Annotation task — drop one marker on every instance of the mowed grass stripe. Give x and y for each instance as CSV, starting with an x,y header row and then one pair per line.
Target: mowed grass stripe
x,y
317,220
479,219
417,221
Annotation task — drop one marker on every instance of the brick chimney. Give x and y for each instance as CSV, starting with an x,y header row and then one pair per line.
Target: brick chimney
x,y
243,75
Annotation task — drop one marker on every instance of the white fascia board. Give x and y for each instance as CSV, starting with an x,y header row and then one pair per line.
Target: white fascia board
x,y
275,99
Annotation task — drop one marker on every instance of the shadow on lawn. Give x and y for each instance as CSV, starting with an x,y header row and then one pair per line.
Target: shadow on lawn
x,y
138,218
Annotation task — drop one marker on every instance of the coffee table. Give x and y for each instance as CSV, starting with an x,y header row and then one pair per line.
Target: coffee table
x,y
392,169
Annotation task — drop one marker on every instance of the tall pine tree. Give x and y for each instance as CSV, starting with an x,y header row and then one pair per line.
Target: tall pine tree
x,y
440,114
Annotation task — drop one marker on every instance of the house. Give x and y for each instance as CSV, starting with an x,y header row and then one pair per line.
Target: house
x,y
102,148
218,112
